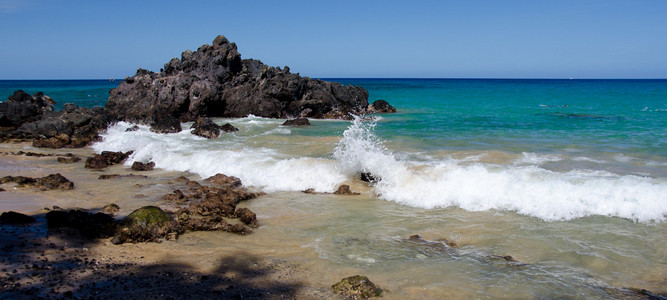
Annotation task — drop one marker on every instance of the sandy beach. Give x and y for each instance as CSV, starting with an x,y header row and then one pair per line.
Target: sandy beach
x,y
54,263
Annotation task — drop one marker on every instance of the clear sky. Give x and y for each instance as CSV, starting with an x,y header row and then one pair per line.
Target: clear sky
x,y
81,39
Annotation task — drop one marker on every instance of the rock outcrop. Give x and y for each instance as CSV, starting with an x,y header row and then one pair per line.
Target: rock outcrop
x,y
106,158
381,106
357,287
32,117
215,82
23,108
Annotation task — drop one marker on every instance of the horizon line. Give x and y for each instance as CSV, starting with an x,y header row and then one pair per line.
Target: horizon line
x,y
404,78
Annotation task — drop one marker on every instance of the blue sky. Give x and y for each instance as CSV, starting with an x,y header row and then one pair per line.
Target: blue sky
x,y
72,39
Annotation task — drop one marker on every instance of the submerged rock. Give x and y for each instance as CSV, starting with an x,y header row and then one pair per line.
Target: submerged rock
x,y
344,189
69,159
357,287
205,127
50,182
12,217
297,122
139,166
215,82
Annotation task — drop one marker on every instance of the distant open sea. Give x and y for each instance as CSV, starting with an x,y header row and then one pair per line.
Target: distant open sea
x,y
567,176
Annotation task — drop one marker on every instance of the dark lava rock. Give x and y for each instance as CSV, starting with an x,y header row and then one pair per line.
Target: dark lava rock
x,y
22,108
176,196
205,127
344,189
69,159
74,127
247,216
12,217
357,287
297,122
106,158
54,181
224,180
97,225
146,224
381,106
139,166
368,177
20,180
228,128
166,125
133,128
215,82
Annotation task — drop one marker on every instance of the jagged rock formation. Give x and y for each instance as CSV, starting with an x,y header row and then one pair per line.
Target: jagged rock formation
x,y
215,82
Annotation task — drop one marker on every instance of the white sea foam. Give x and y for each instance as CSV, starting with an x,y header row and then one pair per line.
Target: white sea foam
x,y
443,182
526,189
260,167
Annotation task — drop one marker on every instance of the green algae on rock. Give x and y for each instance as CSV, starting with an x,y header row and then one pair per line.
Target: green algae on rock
x,y
146,224
357,287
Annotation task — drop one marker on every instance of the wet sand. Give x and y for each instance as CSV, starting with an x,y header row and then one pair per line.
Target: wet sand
x,y
52,263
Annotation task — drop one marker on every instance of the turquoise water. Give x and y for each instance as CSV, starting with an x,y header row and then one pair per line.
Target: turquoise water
x,y
84,93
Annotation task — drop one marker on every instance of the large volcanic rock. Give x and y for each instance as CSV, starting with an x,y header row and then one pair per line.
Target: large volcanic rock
x,y
24,108
215,82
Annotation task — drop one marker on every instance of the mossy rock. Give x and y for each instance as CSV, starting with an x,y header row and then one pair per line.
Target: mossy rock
x,y
146,224
357,287
148,216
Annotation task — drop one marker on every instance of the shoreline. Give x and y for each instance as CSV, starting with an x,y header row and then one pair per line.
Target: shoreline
x,y
52,263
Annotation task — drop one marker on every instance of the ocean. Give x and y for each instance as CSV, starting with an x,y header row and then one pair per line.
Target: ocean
x,y
569,177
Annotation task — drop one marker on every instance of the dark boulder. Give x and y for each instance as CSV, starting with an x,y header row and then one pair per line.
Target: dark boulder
x,y
23,108
69,159
297,122
12,217
205,127
139,166
215,82
106,158
368,177
98,225
381,106
110,208
54,181
228,128
357,287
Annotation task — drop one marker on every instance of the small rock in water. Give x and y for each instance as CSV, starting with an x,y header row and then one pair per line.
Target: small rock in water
x,y
139,166
69,159
345,190
357,287
228,128
297,122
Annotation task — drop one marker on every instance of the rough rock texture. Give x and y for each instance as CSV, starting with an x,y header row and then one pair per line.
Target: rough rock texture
x,y
105,159
344,189
205,127
215,82
228,128
357,287
297,122
146,224
50,182
72,127
139,166
381,106
23,108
